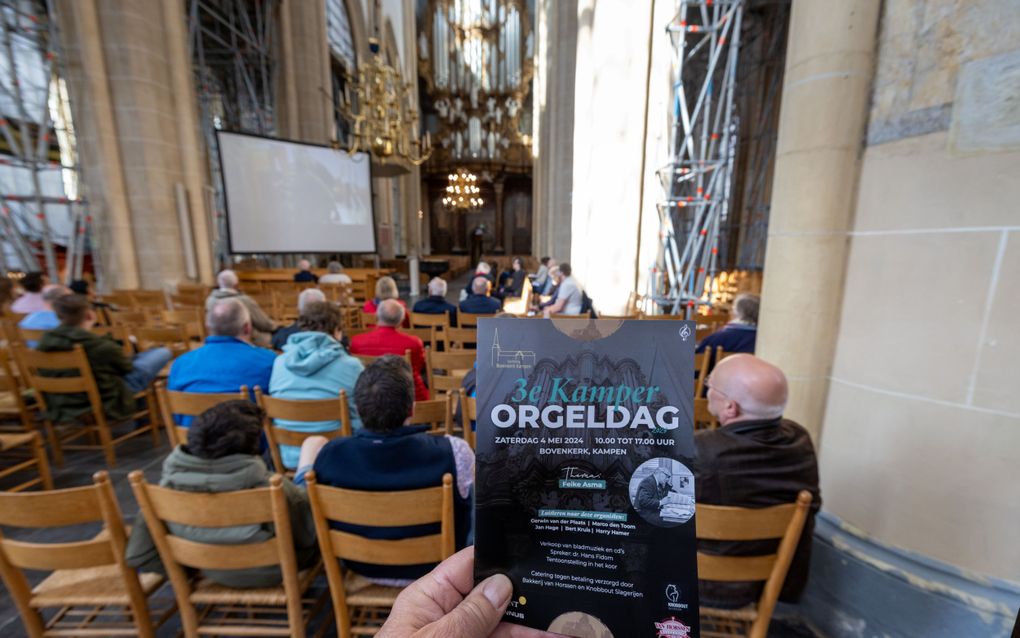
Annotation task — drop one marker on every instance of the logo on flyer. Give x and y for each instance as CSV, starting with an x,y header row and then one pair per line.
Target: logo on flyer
x,y
672,593
672,628
514,359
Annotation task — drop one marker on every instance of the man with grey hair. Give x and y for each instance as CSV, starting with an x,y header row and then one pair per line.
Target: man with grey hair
x,y
304,273
262,325
305,297
436,303
228,360
45,318
756,458
740,334
387,339
479,302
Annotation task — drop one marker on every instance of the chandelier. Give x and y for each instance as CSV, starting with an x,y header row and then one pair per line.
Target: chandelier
x,y
462,193
386,124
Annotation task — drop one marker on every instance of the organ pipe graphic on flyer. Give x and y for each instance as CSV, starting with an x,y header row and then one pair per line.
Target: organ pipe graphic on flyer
x,y
585,489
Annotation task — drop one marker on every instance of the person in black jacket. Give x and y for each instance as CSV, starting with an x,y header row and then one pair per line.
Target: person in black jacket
x,y
436,303
756,458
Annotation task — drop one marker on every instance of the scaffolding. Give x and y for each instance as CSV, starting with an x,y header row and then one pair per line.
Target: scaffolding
x,y
41,209
234,53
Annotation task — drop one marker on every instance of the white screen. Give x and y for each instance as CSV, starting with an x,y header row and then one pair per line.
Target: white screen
x,y
285,197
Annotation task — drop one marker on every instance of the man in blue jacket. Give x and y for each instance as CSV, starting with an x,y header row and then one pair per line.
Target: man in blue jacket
x,y
228,359
479,302
436,303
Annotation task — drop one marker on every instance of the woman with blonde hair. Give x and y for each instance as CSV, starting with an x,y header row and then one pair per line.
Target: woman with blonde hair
x,y
386,288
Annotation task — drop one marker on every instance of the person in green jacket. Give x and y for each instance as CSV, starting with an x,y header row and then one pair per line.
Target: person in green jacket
x,y
118,377
222,455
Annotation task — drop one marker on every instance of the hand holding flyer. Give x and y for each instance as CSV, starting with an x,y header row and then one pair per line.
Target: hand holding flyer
x,y
585,496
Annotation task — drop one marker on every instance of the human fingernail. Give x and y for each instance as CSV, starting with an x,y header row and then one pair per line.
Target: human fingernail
x,y
497,589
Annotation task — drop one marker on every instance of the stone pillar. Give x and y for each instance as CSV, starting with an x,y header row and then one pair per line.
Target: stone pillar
x,y
826,88
498,247
307,66
556,29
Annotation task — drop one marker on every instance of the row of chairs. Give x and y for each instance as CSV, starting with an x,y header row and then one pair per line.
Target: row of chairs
x,y
94,591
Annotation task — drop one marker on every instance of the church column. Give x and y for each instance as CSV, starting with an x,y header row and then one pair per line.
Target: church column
x,y
498,248
829,68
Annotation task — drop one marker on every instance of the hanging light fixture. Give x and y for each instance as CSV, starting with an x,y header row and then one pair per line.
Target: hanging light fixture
x,y
386,122
462,192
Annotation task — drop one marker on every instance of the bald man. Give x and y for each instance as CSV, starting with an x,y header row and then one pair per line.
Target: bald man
x,y
387,339
756,458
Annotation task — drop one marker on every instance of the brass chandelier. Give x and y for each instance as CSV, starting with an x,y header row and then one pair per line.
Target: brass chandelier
x,y
462,192
386,123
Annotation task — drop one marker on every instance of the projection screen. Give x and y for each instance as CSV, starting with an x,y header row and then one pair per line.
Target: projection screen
x,y
289,197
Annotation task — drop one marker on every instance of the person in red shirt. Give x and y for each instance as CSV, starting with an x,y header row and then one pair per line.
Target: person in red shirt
x,y
385,288
386,339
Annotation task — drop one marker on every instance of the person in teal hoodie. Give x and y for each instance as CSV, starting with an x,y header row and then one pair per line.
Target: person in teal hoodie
x,y
314,366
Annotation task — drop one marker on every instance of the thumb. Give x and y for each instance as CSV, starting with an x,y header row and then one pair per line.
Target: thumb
x,y
479,613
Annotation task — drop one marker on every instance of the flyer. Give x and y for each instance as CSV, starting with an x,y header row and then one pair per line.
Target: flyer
x,y
584,487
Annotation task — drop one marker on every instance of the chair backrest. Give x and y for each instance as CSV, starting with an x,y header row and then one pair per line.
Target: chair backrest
x,y
436,413
119,333
65,508
338,293
369,318
172,337
461,338
378,509
172,402
427,335
469,414
129,317
367,359
30,334
191,318
470,319
71,361
258,506
723,523
703,419
425,320
303,410
454,364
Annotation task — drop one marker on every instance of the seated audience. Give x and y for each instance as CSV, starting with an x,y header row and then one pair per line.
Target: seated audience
x,y
568,295
756,458
387,455
386,288
305,273
227,360
314,366
81,287
553,285
305,297
386,339
512,282
436,303
335,274
45,319
31,297
118,378
738,335
550,283
540,277
262,325
222,455
479,302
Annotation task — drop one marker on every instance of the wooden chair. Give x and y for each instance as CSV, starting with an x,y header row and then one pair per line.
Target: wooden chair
x,y
172,402
454,365
30,334
703,362
468,414
81,381
720,523
32,443
439,323
436,413
90,585
306,411
15,404
461,338
703,419
171,337
361,607
367,359
192,319
209,608
427,335
368,319
145,298
129,318
470,320
338,293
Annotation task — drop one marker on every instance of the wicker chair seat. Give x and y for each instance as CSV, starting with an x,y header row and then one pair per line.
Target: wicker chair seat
x,y
11,441
363,593
89,586
206,592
